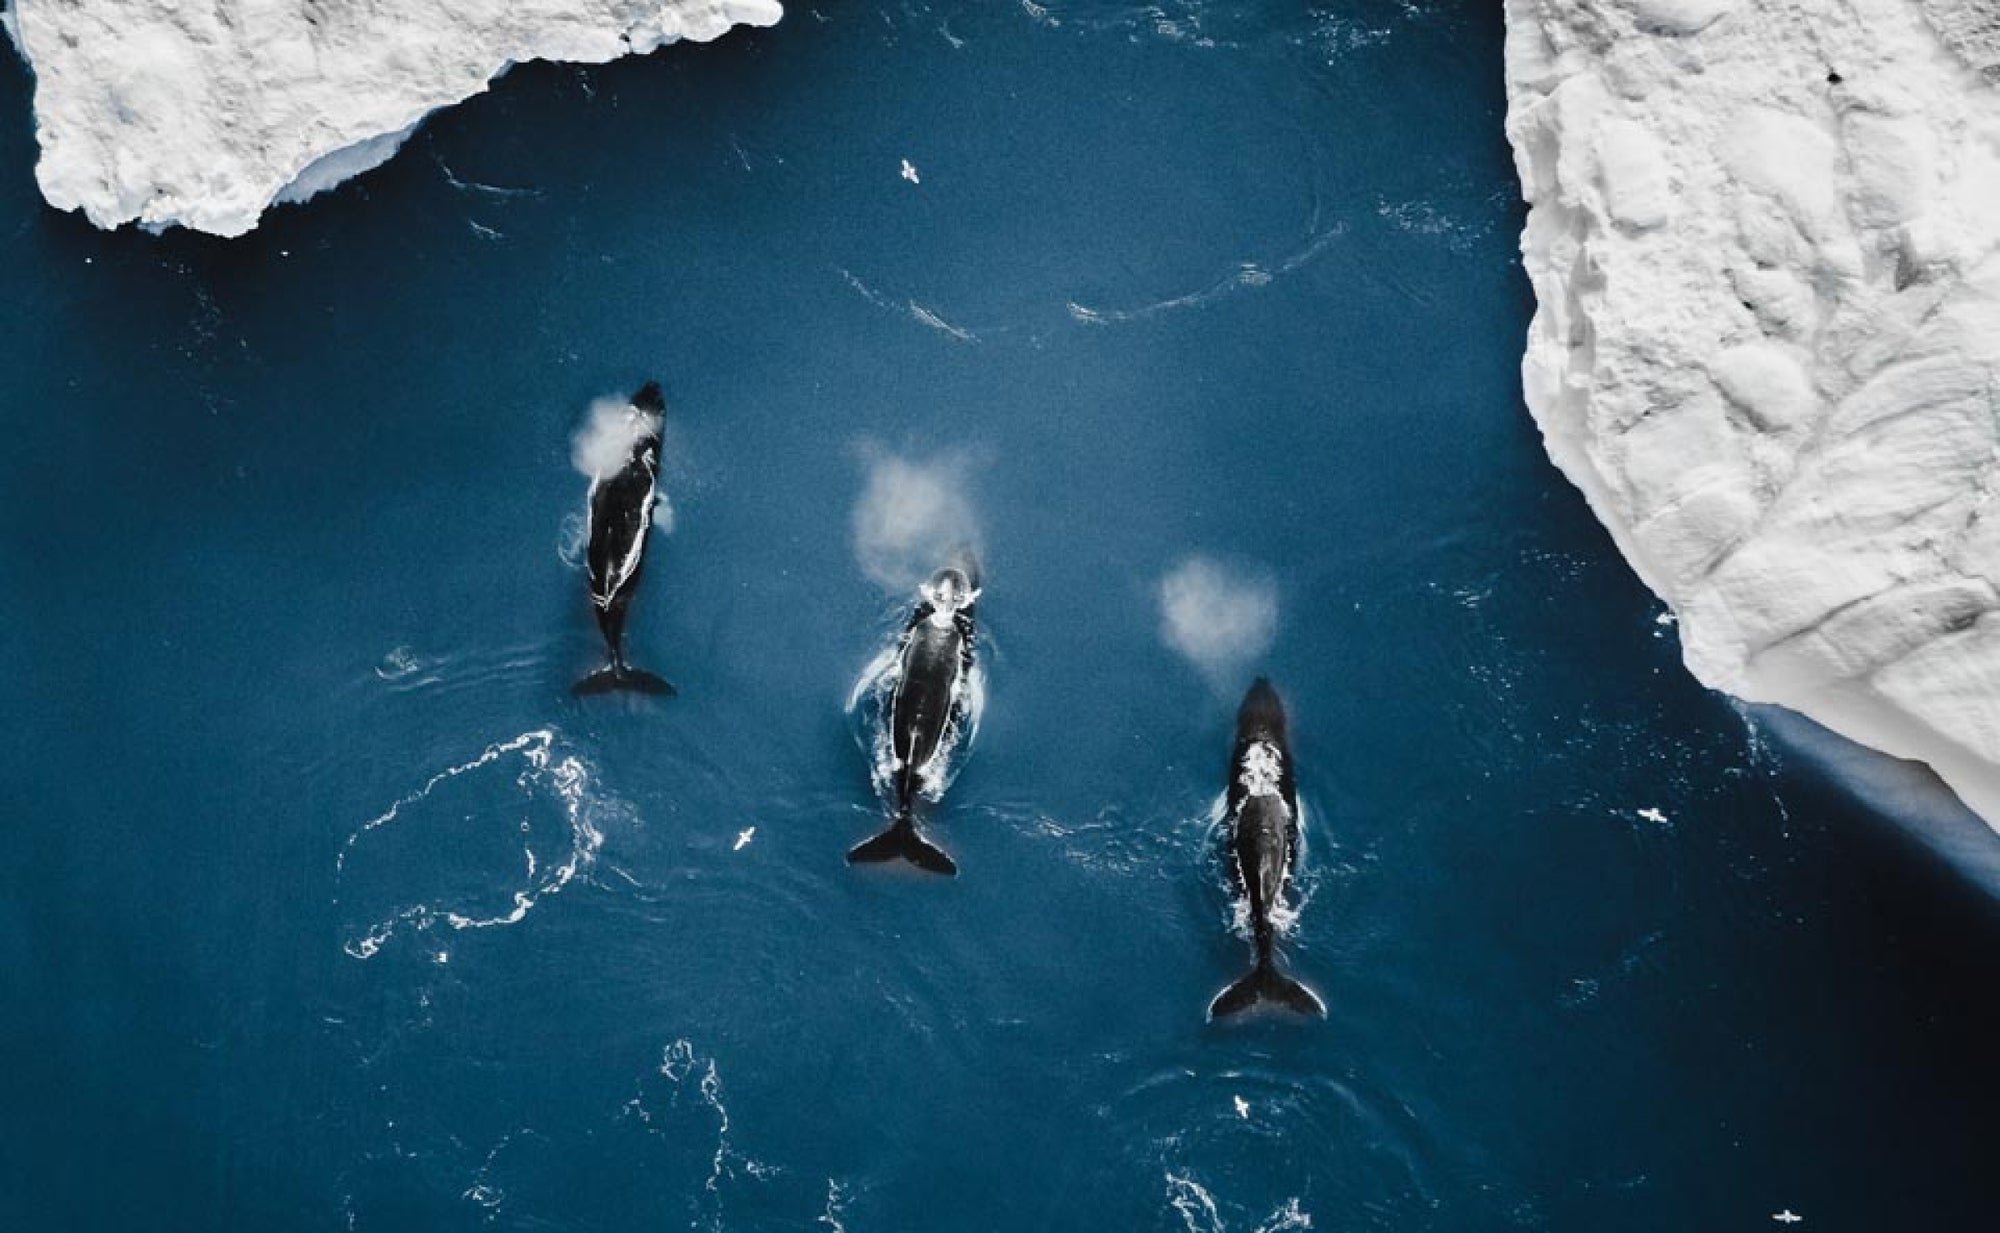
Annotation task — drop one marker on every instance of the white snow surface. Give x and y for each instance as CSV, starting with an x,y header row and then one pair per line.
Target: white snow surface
x,y
202,113
1765,242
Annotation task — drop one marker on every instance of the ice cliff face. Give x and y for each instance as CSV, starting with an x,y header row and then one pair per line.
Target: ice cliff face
x,y
1763,239
201,113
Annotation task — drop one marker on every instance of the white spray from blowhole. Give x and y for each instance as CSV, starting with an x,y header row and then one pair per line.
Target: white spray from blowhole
x,y
1221,618
597,450
605,441
913,515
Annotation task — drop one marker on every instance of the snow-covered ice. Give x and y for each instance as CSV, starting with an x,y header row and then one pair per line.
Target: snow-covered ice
x,y
1763,241
203,115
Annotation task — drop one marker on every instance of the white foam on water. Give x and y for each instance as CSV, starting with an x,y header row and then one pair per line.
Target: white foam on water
x,y
911,309
872,677
543,773
1195,1205
483,1192
836,1200
1245,274
572,538
1199,1213
399,663
687,1072
1288,1216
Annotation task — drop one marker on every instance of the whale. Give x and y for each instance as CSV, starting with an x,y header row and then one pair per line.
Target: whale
x,y
931,693
621,505
1261,817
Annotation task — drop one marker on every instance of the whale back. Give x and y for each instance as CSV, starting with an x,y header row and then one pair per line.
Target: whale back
x,y
1260,720
926,694
1263,850
621,512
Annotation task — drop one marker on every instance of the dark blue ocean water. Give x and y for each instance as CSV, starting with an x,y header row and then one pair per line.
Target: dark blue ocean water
x,y
324,905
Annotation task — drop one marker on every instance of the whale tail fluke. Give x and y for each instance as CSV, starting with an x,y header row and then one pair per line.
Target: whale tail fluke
x,y
1266,983
902,842
614,677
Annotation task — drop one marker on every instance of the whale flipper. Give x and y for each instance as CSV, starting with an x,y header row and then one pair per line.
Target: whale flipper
x,y
1266,983
614,677
902,842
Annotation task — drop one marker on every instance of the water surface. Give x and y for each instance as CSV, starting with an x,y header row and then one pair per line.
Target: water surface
x,y
327,907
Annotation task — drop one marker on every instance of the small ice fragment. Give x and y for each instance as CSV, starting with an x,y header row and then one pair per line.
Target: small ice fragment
x,y
1665,618
742,838
910,172
1242,1106
442,957
1650,814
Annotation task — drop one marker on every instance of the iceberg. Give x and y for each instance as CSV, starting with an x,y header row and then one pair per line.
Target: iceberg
x,y
1764,242
202,115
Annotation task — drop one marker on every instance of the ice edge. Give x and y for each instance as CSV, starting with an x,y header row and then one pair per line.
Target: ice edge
x,y
1767,342
205,116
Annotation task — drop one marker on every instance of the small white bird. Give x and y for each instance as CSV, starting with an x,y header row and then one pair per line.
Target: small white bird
x,y
743,837
1788,1216
910,172
1242,1106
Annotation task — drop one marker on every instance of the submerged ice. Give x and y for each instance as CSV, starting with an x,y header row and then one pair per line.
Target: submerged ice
x,y
1767,260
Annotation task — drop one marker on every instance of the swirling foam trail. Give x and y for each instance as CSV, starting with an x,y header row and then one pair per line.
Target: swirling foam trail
x,y
1198,1213
546,773
683,1068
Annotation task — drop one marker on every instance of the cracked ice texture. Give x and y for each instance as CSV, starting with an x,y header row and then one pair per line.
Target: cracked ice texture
x,y
1765,242
202,113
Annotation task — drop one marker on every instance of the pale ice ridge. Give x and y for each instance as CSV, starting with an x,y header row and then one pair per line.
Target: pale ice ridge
x,y
203,115
1766,252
